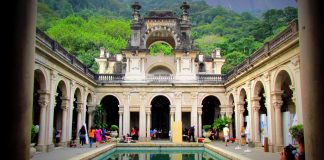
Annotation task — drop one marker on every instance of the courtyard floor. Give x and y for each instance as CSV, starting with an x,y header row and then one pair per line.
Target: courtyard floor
x,y
61,153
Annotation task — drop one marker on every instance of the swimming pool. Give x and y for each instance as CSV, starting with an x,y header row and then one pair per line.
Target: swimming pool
x,y
159,153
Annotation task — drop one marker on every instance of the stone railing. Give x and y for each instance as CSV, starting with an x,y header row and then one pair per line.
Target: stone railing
x,y
159,78
214,78
106,78
59,51
264,51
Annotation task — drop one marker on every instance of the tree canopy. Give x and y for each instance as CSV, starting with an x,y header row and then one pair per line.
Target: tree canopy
x,y
83,26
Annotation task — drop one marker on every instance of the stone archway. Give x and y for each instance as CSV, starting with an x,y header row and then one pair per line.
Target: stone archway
x,y
61,105
210,110
243,109
285,107
260,113
160,119
40,103
233,124
110,104
88,118
76,113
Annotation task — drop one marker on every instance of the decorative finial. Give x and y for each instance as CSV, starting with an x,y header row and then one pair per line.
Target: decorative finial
x,y
136,7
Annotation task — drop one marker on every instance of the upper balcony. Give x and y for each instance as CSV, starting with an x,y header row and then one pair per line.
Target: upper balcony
x,y
161,78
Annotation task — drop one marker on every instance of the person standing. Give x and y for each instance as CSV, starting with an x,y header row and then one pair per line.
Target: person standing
x,y
98,136
226,134
82,133
91,136
57,137
191,132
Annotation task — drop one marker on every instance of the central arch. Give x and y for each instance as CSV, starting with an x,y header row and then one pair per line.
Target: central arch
x,y
161,34
210,110
161,115
110,104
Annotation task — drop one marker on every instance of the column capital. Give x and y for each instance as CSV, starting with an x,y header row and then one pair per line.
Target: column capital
x,y
277,104
64,107
79,107
43,103
229,113
256,108
199,113
120,112
120,106
148,112
91,109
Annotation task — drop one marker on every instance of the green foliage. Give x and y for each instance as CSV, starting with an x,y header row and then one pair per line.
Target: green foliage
x,y
33,132
160,47
219,123
83,37
296,130
206,127
98,115
83,26
113,127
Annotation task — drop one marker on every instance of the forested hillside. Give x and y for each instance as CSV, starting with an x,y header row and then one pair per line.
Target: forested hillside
x,y
82,26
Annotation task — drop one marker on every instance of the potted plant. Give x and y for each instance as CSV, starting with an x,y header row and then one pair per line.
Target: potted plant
x,y
113,129
296,130
219,124
206,132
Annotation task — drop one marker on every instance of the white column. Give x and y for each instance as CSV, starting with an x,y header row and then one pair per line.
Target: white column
x,y
229,115
120,123
91,108
194,109
241,110
142,118
50,112
199,128
126,120
297,90
148,124
64,107
178,65
270,113
143,64
277,106
127,65
249,108
79,109
192,65
178,99
43,103
171,117
256,108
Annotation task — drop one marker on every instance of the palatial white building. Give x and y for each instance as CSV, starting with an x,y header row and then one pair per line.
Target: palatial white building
x,y
144,91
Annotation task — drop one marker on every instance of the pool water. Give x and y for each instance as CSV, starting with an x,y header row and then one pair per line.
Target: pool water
x,y
159,153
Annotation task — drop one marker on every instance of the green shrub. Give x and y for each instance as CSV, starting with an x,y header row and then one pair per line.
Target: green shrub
x,y
114,127
296,130
33,132
219,123
206,127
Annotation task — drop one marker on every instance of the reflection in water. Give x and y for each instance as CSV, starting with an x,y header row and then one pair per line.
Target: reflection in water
x,y
169,155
